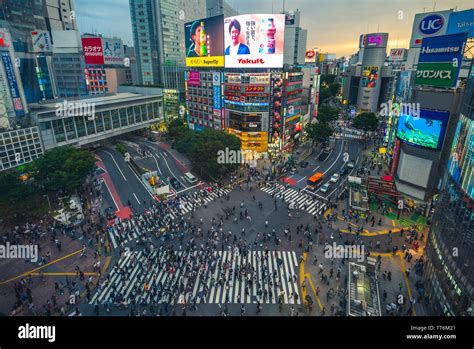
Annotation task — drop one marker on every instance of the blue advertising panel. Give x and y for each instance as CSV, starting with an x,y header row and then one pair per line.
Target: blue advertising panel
x,y
217,97
426,131
461,161
12,83
461,22
443,48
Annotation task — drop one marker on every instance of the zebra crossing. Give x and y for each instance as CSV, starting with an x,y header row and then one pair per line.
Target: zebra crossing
x,y
134,228
226,277
348,135
296,199
196,199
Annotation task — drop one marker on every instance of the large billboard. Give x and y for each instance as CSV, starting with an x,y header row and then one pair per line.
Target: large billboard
x,y
440,60
12,83
310,56
41,40
460,22
403,90
375,40
204,41
398,54
370,75
254,41
461,161
428,24
426,130
113,50
276,93
93,51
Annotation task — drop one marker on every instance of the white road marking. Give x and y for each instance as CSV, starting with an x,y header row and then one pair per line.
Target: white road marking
x,y
116,164
137,199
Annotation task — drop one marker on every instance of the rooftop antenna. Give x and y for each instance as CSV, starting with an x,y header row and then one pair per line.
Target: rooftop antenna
x,y
283,6
434,6
378,26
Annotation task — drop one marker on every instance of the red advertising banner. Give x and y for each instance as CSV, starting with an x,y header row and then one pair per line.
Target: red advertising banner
x,y
254,88
92,49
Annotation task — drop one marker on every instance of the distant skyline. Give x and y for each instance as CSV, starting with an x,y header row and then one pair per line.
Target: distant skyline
x,y
333,25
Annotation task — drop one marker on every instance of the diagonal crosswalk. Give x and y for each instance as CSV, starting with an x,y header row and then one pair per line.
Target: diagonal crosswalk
x,y
296,199
211,277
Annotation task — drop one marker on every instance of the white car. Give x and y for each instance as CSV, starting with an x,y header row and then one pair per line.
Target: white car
x,y
325,187
334,178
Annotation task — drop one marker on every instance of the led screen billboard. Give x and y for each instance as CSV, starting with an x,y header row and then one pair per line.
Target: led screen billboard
x,y
204,41
370,76
426,130
254,41
461,161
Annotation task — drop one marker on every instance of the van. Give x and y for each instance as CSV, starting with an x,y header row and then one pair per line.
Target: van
x,y
190,177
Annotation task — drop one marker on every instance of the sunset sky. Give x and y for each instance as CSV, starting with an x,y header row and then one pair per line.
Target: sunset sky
x,y
333,25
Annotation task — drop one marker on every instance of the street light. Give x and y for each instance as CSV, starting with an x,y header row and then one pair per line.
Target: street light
x,y
49,203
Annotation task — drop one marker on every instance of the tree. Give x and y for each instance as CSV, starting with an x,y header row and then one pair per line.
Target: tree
x,y
327,114
366,122
177,130
62,169
19,201
319,132
202,149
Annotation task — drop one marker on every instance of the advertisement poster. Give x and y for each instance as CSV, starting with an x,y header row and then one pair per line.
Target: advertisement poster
x,y
403,90
461,161
276,92
461,22
440,60
12,83
254,41
310,56
113,51
428,24
41,41
194,78
204,40
370,76
425,131
93,52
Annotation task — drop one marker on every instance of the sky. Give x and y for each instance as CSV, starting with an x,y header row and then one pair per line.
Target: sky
x,y
333,26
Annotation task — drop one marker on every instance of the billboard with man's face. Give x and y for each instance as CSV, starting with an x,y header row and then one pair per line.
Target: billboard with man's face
x,y
204,40
254,41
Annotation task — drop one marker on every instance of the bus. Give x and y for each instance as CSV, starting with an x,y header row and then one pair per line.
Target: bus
x,y
315,180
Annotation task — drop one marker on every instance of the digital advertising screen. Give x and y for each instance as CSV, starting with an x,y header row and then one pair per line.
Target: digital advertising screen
x,y
426,130
370,76
254,41
204,41
461,161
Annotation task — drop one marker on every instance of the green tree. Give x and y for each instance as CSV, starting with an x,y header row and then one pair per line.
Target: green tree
x,y
62,169
177,130
18,200
319,132
366,122
327,114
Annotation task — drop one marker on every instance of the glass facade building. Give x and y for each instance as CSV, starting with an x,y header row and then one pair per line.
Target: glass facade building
x,y
449,273
19,147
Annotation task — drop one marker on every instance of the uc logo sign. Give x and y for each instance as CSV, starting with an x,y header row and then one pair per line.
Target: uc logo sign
x,y
431,24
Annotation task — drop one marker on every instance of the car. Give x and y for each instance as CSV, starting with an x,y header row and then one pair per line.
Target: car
x,y
325,187
350,164
334,178
304,164
175,184
343,170
292,170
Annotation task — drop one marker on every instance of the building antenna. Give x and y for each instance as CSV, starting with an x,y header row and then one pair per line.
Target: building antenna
x,y
283,6
434,6
378,26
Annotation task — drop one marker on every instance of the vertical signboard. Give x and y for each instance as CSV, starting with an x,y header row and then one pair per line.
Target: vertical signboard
x,y
93,51
461,22
12,83
276,92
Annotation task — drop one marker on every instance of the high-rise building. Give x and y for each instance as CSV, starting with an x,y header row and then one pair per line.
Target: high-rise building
x,y
220,7
295,39
449,272
60,15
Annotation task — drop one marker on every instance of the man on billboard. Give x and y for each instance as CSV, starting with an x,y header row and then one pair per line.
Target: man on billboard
x,y
236,48
195,35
